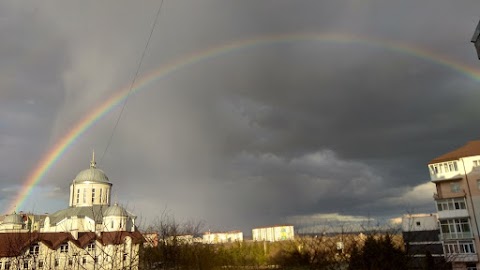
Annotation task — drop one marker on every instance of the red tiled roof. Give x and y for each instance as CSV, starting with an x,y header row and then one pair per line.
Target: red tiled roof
x,y
472,148
54,239
13,244
85,237
116,238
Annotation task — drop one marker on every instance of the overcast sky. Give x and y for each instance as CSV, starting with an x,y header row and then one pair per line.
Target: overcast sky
x,y
298,131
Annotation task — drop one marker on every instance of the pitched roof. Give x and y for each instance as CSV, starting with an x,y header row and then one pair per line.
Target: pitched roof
x,y
95,212
15,243
85,237
109,238
472,148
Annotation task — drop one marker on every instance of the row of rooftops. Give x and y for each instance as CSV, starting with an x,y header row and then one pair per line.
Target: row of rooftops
x,y
96,212
18,242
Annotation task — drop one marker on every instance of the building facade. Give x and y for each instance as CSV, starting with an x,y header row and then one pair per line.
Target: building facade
x,y
456,176
421,237
222,237
274,233
90,234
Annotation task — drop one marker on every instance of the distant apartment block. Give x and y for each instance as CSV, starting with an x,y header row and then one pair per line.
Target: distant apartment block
x,y
421,236
274,233
456,175
222,237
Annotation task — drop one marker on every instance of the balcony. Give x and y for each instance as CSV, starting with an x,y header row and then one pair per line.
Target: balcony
x,y
455,236
440,196
445,214
472,257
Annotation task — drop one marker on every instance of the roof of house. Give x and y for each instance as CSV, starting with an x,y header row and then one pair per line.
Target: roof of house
x,y
472,148
95,212
15,243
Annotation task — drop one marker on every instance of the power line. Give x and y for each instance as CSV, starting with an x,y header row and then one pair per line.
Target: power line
x,y
133,80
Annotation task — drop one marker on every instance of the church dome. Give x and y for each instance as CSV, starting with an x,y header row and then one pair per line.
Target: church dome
x,y
92,174
116,211
13,219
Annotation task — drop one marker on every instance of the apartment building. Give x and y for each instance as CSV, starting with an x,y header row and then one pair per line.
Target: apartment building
x,y
456,175
222,237
421,236
274,233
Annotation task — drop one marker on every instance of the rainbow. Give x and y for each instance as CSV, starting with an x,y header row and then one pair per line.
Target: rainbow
x,y
59,148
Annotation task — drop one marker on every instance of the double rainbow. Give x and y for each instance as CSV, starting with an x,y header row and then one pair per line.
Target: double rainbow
x,y
56,152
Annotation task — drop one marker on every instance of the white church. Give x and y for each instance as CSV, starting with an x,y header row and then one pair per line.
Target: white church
x,y
90,234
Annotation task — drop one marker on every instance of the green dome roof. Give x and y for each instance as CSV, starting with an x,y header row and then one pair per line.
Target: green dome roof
x,y
116,211
92,174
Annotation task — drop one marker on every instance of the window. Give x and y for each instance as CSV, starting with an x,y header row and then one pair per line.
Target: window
x,y
111,224
450,166
93,195
64,248
418,223
125,255
451,204
84,195
91,247
101,197
466,247
70,261
455,187
7,265
455,228
40,263
78,195
84,260
435,169
95,259
56,263
25,264
460,247
34,249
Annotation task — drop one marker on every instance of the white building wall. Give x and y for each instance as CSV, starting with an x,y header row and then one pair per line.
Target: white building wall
x,y
275,233
419,222
115,223
222,237
85,224
81,194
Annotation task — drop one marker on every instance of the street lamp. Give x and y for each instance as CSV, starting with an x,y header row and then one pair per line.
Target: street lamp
x,y
476,39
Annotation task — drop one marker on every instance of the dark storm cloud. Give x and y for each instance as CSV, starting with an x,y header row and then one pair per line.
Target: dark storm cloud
x,y
32,62
266,134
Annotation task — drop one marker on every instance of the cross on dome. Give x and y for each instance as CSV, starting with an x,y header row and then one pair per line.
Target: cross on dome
x,y
93,164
